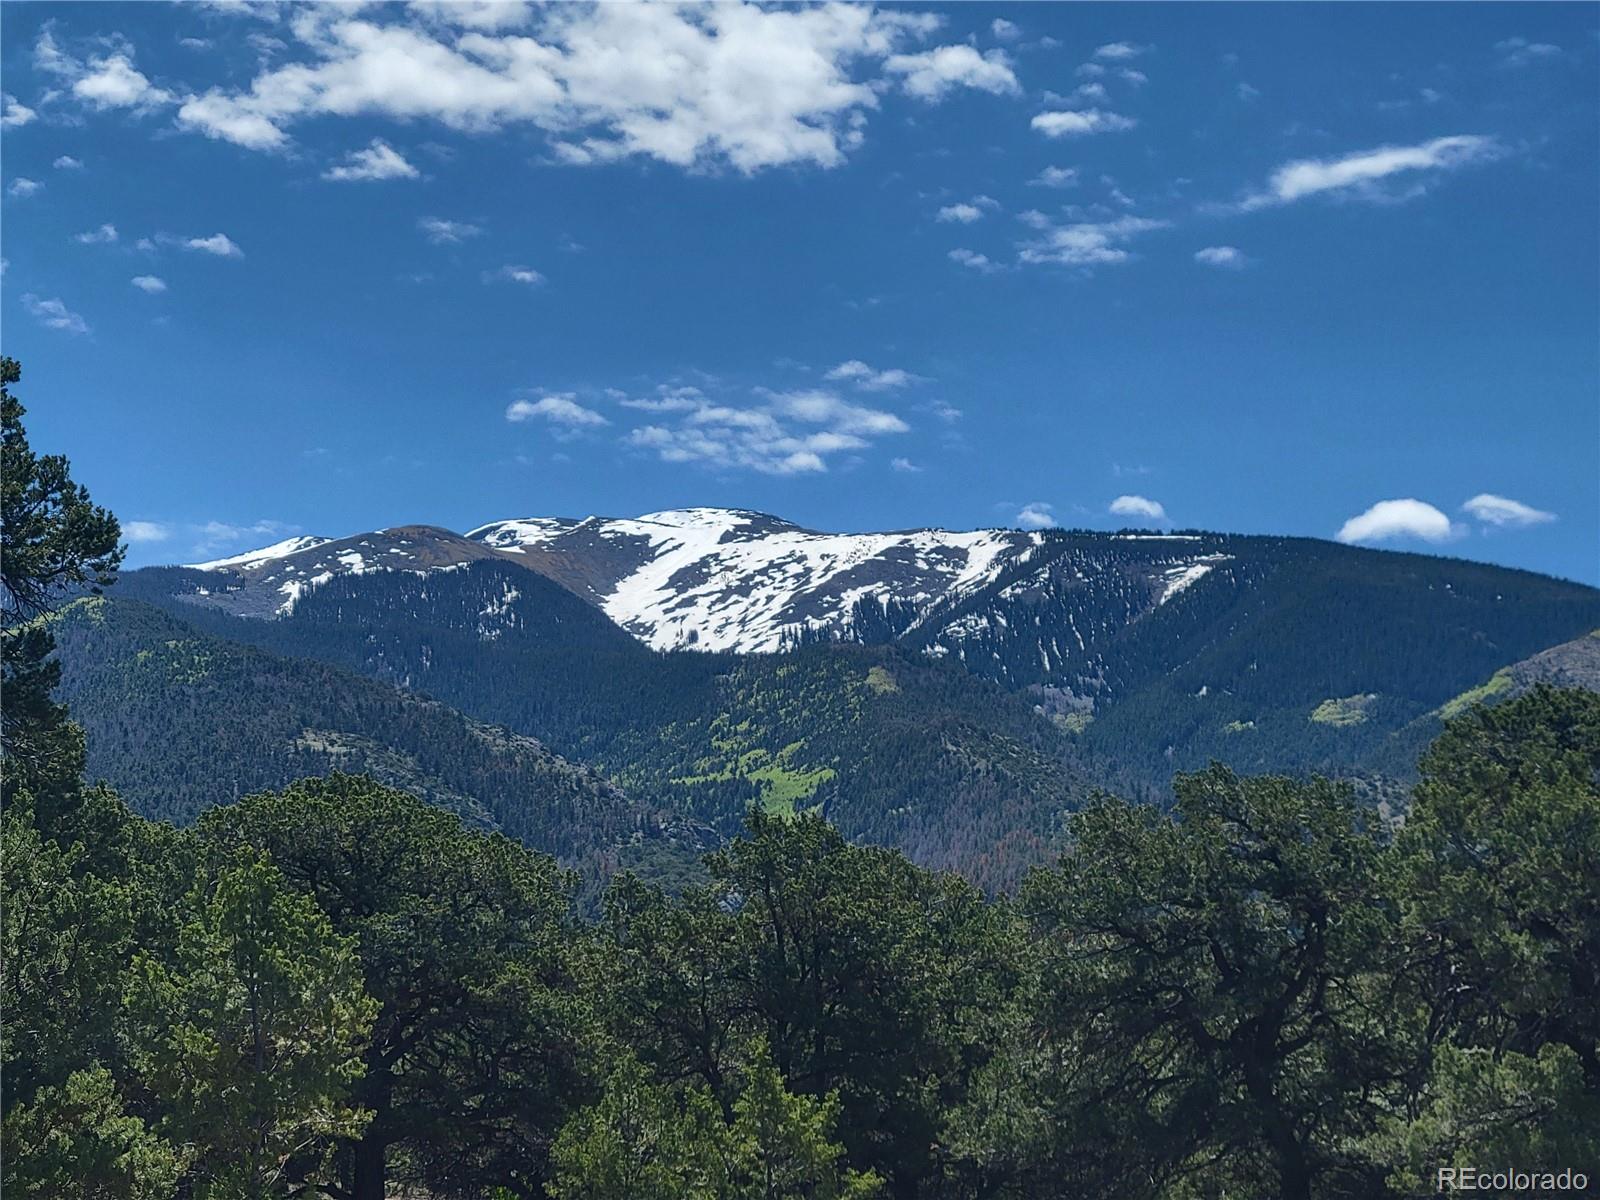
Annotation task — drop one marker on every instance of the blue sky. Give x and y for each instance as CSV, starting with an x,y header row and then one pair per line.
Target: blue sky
x,y
1321,270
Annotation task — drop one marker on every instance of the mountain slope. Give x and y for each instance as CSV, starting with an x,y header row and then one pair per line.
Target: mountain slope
x,y
179,720
1157,652
894,748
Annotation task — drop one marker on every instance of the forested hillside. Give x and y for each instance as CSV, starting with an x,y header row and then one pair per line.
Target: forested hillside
x,y
179,721
893,749
1152,653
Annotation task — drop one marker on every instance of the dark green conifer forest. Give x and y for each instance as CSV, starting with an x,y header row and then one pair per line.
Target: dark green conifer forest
x,y
335,989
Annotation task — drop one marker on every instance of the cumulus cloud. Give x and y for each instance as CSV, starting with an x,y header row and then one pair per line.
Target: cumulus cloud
x,y
1037,515
22,187
560,409
150,284
67,163
140,532
974,261
511,273
932,74
1087,243
442,232
103,81
786,433
53,314
966,212
743,85
1119,51
12,113
867,379
1006,31
1504,513
904,465
219,244
378,161
1078,123
1230,257
1397,519
1055,177
102,236
1365,169
1141,507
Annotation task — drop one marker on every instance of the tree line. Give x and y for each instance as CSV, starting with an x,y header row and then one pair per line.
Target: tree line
x,y
333,989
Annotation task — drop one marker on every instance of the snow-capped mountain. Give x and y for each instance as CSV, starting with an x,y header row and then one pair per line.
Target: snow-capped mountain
x,y
269,581
728,579
1026,607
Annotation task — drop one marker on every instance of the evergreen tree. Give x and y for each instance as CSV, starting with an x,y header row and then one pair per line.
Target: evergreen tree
x,y
252,1033
481,1044
52,539
1216,991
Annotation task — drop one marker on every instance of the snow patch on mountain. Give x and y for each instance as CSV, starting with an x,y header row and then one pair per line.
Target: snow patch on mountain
x,y
1187,575
735,580
256,558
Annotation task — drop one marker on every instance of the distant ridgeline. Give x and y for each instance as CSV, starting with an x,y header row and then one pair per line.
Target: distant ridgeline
x,y
952,694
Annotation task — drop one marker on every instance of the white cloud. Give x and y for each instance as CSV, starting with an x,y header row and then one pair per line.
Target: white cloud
x,y
1037,515
114,83
1247,92
1087,243
1137,78
1055,177
745,85
948,413
904,465
145,531
102,236
1006,31
1072,123
932,74
439,231
973,260
1221,256
1397,518
869,380
966,212
515,274
668,399
475,14
824,408
1119,51
219,244
790,433
149,283
378,161
22,187
12,113
103,81
1137,506
67,163
559,409
1309,177
53,314
1520,52
1504,513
